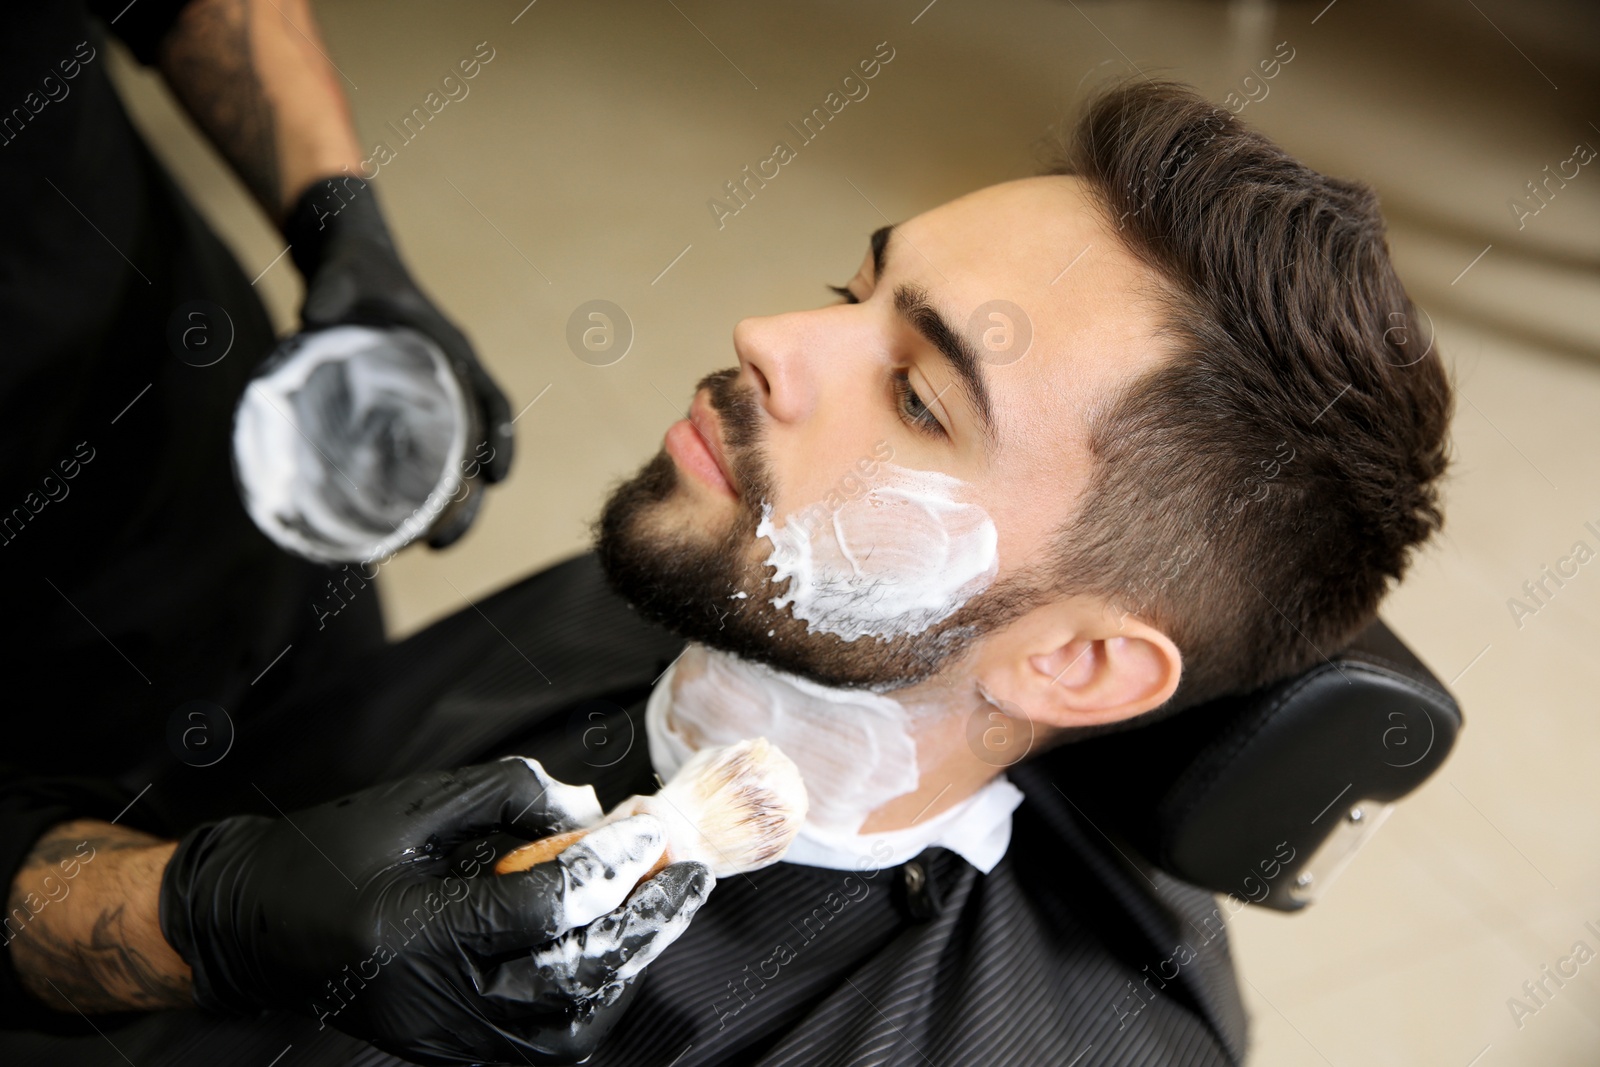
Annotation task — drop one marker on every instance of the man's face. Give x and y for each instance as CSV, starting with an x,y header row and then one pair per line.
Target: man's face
x,y
915,375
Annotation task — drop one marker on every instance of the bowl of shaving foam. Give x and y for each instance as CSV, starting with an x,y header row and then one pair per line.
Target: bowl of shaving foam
x,y
350,443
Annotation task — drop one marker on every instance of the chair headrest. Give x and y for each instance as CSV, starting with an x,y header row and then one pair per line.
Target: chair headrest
x,y
1265,795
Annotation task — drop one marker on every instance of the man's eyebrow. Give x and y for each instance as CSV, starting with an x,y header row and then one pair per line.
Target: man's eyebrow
x,y
911,301
880,249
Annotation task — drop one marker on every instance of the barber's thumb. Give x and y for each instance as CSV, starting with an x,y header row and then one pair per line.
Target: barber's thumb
x,y
658,913
675,894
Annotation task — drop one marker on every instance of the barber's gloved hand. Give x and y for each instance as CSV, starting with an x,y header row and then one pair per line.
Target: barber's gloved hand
x,y
354,276
354,911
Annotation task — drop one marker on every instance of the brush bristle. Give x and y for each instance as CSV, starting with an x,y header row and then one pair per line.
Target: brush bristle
x,y
735,808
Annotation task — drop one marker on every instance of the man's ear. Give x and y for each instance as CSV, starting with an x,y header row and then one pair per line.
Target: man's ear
x,y
1077,663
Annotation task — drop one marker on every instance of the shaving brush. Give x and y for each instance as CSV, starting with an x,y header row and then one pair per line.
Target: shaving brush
x,y
734,808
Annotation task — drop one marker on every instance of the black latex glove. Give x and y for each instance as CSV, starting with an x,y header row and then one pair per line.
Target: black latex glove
x,y
355,911
354,276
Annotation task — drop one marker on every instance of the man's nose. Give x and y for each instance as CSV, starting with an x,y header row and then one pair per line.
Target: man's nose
x,y
781,355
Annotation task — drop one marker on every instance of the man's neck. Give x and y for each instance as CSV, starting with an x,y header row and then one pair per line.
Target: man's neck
x,y
871,763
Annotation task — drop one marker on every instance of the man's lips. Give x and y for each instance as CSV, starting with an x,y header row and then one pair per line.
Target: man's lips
x,y
696,443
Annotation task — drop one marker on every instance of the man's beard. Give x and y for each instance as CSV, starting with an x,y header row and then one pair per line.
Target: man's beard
x,y
688,582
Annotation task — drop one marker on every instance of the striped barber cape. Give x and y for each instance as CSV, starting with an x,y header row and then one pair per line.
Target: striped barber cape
x,y
1064,954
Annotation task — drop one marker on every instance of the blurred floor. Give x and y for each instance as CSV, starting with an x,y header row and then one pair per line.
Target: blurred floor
x,y
579,167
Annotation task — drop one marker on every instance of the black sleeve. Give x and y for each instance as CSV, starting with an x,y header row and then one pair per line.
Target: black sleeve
x,y
141,24
29,806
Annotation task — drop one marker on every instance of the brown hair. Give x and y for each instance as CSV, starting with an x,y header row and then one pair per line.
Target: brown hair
x,y
1256,494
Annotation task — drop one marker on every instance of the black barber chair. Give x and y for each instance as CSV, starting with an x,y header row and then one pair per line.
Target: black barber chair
x,y
1267,795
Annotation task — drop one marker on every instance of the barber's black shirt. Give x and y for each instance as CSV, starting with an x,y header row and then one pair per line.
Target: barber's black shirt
x,y
131,579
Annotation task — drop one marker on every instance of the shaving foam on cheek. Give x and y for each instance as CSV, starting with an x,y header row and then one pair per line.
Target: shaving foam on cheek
x,y
855,750
894,561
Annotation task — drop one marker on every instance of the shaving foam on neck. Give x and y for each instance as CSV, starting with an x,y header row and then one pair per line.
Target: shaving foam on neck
x,y
895,560
855,750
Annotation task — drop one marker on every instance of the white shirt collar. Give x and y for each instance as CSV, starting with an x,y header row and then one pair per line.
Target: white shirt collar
x,y
978,828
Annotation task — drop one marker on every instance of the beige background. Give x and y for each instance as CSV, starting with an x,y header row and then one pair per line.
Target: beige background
x,y
579,167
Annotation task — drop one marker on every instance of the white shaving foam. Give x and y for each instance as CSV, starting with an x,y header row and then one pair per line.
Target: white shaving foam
x,y
347,446
575,805
855,750
602,869
895,560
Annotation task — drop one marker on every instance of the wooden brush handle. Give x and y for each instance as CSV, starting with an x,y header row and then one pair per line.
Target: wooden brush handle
x,y
548,848
525,856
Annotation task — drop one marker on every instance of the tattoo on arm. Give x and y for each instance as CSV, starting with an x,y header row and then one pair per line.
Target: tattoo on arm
x,y
208,62
81,922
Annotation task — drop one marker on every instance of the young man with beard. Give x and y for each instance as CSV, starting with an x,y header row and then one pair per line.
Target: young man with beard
x,y
1211,460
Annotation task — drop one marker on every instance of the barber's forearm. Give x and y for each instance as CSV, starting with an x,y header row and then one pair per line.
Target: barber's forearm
x,y
83,921
253,75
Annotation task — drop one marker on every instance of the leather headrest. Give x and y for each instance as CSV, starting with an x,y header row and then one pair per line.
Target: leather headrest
x,y
1238,795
